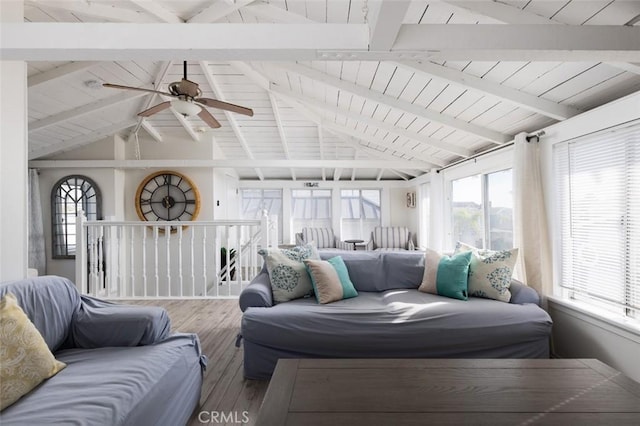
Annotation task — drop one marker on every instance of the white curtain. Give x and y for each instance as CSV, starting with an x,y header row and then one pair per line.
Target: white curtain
x,y
37,258
530,217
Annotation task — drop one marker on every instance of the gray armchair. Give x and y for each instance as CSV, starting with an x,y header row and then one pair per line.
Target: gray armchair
x,y
324,238
390,238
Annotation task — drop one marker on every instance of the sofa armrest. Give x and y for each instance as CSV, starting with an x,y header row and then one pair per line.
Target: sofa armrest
x,y
521,294
257,293
100,324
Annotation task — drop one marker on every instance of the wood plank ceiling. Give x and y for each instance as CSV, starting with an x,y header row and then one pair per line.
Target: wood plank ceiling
x,y
420,113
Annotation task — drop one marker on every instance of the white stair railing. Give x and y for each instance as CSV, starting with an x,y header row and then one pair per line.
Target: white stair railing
x,y
136,260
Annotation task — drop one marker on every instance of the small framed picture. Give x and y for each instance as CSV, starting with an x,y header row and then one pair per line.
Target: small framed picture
x,y
411,199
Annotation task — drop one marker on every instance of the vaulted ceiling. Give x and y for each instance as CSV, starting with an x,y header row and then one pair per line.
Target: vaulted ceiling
x,y
340,89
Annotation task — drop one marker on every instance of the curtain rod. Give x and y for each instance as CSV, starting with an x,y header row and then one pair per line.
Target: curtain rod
x,y
489,151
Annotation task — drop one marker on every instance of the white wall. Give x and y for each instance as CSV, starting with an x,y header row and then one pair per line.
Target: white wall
x,y
580,335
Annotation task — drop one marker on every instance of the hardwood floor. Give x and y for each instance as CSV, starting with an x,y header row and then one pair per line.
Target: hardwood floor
x,y
225,392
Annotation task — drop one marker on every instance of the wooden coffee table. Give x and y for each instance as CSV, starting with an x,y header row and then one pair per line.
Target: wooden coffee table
x,y
401,392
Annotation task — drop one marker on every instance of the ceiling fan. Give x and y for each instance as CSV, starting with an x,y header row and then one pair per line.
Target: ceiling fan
x,y
188,101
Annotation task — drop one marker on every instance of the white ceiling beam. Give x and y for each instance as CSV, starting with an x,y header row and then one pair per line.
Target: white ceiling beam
x,y
627,66
215,88
244,164
57,41
90,108
58,72
373,140
488,42
163,41
500,12
81,140
152,131
268,12
509,14
513,96
159,12
387,127
281,132
336,174
217,11
380,173
390,101
94,9
386,23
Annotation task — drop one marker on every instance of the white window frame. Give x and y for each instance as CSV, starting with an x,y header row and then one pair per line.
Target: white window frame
x,y
621,317
312,222
486,164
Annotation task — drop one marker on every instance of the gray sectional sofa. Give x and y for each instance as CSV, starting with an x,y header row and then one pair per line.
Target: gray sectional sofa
x,y
389,318
123,366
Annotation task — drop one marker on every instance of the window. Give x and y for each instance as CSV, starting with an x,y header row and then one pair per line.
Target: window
x,y
598,214
482,210
68,196
310,208
254,201
360,213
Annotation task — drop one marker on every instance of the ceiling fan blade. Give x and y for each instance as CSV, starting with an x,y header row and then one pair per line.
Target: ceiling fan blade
x,y
214,103
154,109
140,89
209,119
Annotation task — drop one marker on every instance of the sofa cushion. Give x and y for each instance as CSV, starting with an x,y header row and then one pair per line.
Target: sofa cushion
x,y
144,385
288,275
446,276
399,323
379,271
25,359
330,279
490,271
50,302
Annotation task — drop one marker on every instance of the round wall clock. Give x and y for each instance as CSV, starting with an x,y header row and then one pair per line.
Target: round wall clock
x,y
167,195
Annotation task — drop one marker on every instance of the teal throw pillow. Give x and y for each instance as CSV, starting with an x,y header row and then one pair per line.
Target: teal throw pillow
x,y
446,276
330,279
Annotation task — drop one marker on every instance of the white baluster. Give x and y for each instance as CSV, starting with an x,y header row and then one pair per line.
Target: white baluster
x,y
167,233
81,253
204,262
132,257
155,251
100,259
192,257
180,260
144,261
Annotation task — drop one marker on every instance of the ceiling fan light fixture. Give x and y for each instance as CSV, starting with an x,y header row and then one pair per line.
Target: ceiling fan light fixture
x,y
185,108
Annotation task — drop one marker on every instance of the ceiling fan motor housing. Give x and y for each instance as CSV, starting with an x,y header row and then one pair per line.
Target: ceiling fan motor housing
x,y
185,87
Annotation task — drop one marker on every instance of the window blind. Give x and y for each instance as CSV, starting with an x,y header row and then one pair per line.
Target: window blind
x,y
598,213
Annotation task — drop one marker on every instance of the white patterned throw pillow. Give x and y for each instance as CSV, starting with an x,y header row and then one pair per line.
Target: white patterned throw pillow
x,y
287,272
490,272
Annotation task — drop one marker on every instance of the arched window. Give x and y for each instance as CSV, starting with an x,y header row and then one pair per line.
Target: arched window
x,y
68,196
